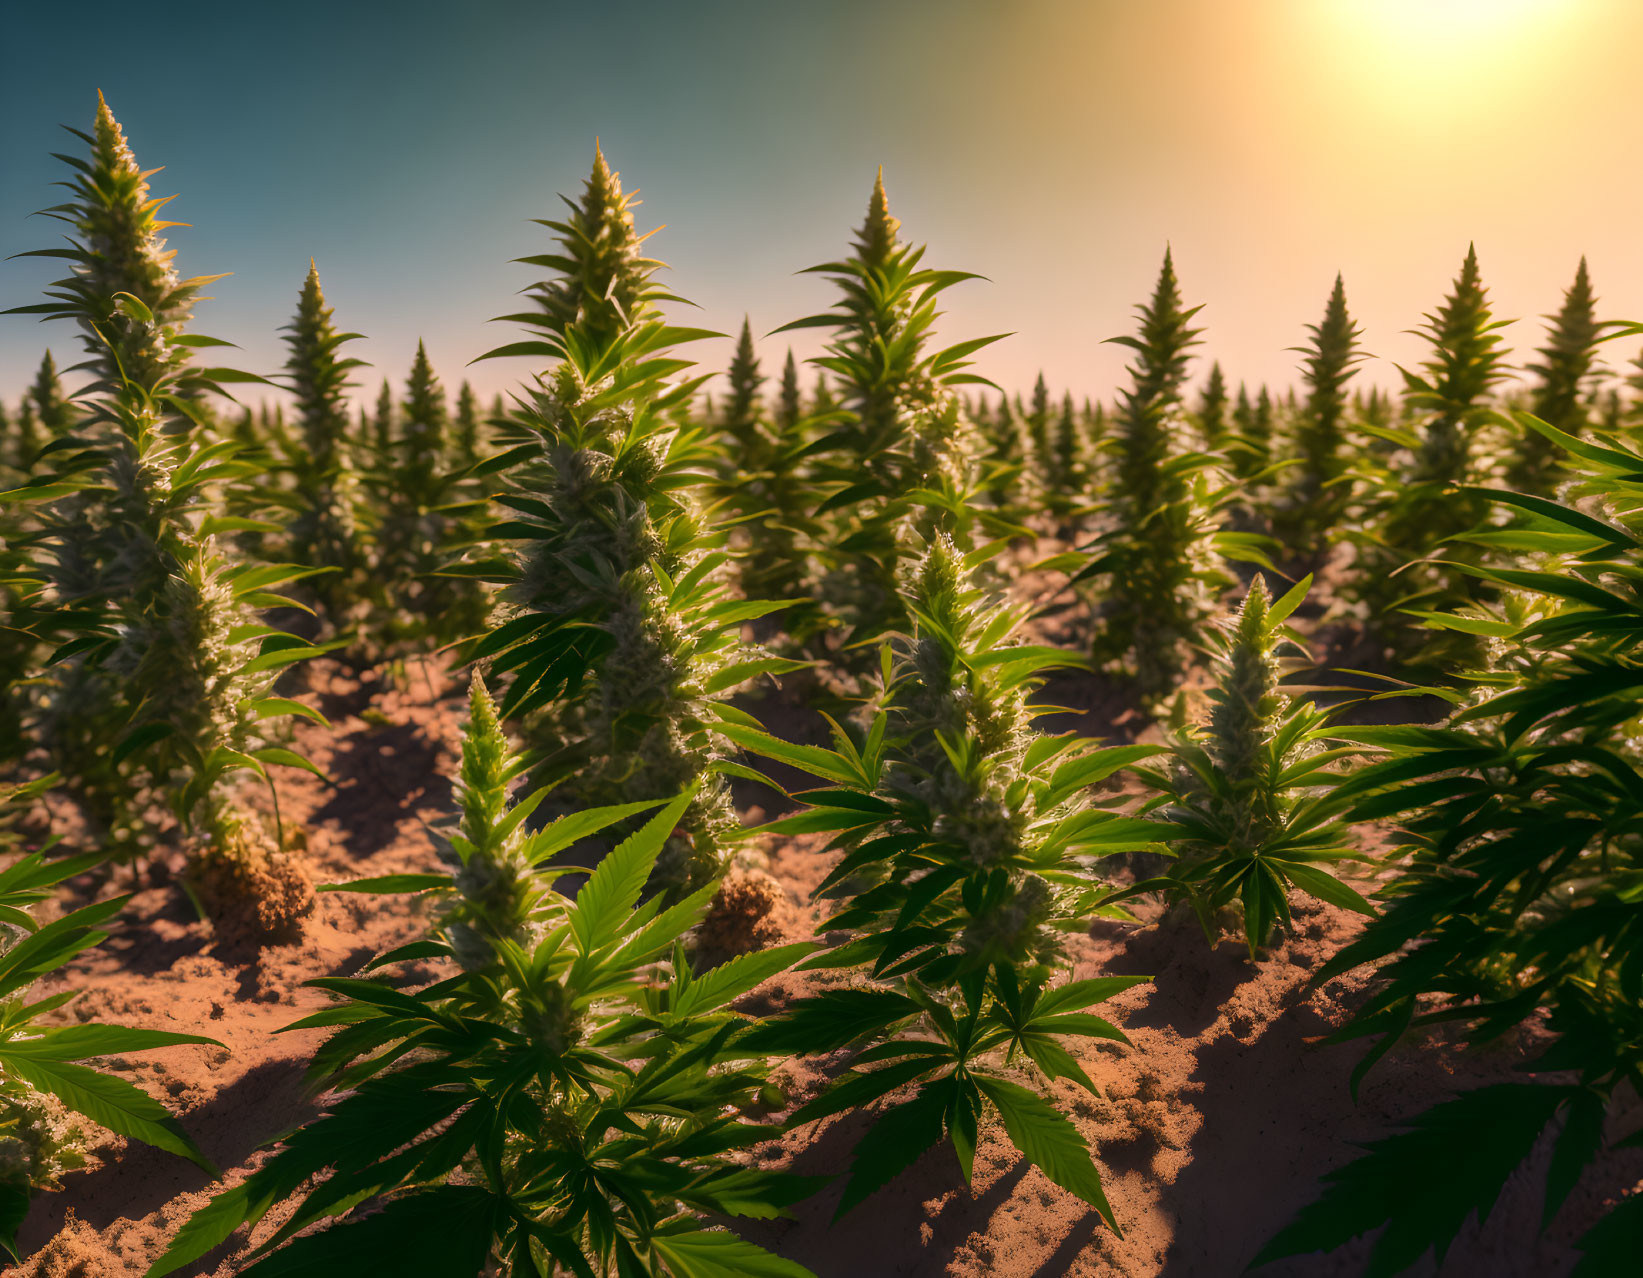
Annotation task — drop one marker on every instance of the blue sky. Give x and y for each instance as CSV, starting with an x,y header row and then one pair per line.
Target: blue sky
x,y
1053,146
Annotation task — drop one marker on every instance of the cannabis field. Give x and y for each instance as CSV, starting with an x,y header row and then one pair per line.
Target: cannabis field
x,y
849,819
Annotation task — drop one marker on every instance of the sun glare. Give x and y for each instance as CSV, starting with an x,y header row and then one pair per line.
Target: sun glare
x,y
1415,57
1486,20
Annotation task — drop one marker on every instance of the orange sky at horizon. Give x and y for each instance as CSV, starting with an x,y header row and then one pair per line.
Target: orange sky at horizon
x,y
1270,144
1295,138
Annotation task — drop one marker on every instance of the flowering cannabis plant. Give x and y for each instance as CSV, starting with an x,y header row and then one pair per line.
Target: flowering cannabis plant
x,y
322,503
896,466
966,843
764,482
468,442
1160,547
1008,468
161,654
1402,565
1069,464
618,633
1319,490
1211,415
562,1104
54,412
1522,899
425,507
1564,384
1248,796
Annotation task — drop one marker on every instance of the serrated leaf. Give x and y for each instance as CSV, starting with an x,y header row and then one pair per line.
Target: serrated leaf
x,y
731,980
1049,1141
390,883
122,1107
606,899
447,1231
1424,1183
716,1254
895,1142
78,1042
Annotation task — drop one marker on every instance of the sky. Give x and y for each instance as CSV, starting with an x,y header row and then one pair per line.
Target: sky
x,y
1054,146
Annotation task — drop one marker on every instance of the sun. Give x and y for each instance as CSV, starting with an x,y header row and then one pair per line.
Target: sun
x,y
1438,27
1430,60
1449,19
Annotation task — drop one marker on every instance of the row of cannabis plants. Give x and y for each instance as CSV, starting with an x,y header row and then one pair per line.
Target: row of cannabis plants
x,y
573,1096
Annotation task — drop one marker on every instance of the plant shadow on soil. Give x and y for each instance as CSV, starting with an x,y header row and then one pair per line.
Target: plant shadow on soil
x,y
1275,1110
379,778
228,1127
908,1227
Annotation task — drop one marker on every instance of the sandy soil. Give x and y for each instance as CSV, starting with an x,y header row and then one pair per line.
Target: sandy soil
x,y
1214,1127
162,969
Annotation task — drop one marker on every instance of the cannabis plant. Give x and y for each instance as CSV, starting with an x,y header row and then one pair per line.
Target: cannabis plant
x,y
424,428
382,428
956,1046
1518,904
966,841
1243,417
47,1097
1403,563
1632,395
1563,386
1069,457
1613,411
468,442
743,403
563,1103
20,647
322,500
1212,407
618,633
789,397
1319,489
425,513
22,438
1248,445
162,658
1068,470
896,469
1374,410
998,455
822,398
1247,794
52,409
1093,420
1037,422
766,485
761,477
166,655
1159,549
